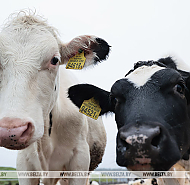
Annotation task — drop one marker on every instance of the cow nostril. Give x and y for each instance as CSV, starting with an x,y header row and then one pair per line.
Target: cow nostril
x,y
124,144
156,140
28,131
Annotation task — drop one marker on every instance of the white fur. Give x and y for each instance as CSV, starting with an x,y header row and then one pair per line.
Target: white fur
x,y
94,183
142,75
139,182
27,90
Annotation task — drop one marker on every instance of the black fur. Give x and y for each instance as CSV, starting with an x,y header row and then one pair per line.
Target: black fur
x,y
50,123
101,49
96,153
163,62
186,156
169,62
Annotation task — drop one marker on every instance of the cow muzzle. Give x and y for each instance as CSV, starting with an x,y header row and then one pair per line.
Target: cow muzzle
x,y
15,133
146,148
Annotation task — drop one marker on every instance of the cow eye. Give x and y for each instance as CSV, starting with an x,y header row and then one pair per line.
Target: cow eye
x,y
117,100
54,60
180,88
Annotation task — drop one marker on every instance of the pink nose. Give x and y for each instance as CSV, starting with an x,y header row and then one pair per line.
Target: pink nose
x,y
15,133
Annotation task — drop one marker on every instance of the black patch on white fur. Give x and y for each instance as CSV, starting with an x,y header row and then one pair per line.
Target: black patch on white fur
x,y
96,154
154,182
50,123
142,181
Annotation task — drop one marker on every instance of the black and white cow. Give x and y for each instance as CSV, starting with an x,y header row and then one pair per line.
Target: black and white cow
x,y
36,117
152,111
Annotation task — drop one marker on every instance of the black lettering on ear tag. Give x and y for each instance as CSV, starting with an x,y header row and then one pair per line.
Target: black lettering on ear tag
x,y
76,62
90,108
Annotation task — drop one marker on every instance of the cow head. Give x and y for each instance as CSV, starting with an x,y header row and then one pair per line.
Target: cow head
x,y
152,112
30,55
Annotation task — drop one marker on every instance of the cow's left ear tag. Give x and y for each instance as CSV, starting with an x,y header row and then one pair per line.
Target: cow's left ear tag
x,y
77,62
90,108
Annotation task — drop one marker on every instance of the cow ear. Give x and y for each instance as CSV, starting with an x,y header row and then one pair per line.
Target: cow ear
x,y
81,92
95,49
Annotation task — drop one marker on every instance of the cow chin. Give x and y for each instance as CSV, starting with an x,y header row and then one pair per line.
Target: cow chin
x,y
14,144
134,166
148,166
140,167
17,147
22,145
151,163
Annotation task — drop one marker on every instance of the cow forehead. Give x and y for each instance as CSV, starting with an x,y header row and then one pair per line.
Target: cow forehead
x,y
142,75
25,45
26,27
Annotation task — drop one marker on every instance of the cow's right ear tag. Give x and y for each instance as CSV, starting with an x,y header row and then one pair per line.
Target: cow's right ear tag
x,y
90,108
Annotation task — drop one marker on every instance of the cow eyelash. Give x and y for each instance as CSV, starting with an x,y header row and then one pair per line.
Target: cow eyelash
x,y
116,99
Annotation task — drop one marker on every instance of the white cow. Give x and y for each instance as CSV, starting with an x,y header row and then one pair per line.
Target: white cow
x,y
33,85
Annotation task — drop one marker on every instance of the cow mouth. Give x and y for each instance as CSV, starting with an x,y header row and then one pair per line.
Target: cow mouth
x,y
19,147
141,164
140,167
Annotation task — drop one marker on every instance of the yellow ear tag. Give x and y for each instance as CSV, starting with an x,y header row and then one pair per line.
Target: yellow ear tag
x,y
76,62
90,108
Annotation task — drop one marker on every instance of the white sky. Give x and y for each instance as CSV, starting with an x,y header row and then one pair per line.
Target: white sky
x,y
136,30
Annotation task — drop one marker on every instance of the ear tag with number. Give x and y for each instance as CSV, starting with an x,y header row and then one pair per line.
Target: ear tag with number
x,y
76,62
90,108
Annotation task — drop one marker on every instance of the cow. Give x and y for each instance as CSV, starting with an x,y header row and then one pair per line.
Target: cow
x,y
152,112
36,117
